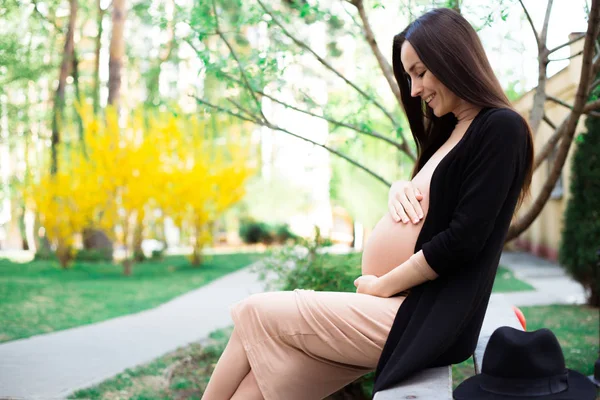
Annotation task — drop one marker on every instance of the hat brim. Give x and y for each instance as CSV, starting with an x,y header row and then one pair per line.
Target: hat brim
x,y
580,388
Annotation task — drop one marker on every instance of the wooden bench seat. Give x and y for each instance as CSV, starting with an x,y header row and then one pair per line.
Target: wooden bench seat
x,y
436,383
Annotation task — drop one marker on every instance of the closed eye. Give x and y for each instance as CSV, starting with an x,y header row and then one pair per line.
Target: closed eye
x,y
422,73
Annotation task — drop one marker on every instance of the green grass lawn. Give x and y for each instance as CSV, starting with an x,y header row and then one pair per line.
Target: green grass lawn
x,y
506,282
185,372
39,297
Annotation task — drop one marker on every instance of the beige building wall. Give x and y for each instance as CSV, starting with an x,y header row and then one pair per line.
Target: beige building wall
x,y
543,236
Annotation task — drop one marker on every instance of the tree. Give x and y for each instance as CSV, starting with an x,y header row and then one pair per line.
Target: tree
x,y
65,68
254,73
98,46
581,233
117,52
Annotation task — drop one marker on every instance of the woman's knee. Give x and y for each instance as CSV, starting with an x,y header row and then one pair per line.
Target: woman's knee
x,y
255,302
276,312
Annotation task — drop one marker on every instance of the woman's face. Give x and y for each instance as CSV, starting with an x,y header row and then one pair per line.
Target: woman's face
x,y
425,85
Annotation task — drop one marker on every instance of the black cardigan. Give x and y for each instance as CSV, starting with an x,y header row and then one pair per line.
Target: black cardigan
x,y
473,194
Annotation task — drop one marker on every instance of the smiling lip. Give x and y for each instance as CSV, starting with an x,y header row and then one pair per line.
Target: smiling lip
x,y
433,94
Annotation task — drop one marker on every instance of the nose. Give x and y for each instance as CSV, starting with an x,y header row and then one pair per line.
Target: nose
x,y
415,89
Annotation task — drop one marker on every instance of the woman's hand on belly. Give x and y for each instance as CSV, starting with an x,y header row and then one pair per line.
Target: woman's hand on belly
x,y
403,202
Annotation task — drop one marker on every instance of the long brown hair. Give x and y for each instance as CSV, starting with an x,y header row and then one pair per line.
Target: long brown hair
x,y
449,47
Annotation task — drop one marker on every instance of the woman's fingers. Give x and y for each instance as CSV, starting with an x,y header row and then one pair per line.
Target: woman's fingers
x,y
408,207
416,213
404,202
392,210
397,211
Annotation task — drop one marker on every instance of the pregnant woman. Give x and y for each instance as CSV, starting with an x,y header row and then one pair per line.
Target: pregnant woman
x,y
429,264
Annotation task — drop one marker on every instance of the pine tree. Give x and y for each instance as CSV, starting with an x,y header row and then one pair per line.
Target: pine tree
x,y
581,233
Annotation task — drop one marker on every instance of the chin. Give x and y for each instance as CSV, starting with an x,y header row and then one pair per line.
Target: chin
x,y
438,112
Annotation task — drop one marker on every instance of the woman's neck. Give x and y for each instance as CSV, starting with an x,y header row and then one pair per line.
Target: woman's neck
x,y
465,113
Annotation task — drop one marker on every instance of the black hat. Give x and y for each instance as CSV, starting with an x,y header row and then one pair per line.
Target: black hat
x,y
525,365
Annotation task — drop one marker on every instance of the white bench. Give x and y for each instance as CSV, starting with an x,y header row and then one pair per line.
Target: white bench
x,y
436,383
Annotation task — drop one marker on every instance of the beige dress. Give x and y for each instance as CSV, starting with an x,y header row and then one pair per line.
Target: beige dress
x,y
305,345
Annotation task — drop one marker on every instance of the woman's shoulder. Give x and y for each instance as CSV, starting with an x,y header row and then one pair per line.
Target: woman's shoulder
x,y
502,123
503,118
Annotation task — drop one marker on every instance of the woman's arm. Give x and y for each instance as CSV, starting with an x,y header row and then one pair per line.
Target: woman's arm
x,y
410,273
499,159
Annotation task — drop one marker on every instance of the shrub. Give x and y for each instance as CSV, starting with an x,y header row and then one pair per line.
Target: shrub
x,y
158,254
253,232
283,234
94,255
44,253
581,232
291,267
305,266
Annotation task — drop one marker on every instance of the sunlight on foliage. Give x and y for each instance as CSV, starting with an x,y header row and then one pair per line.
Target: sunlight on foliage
x,y
120,178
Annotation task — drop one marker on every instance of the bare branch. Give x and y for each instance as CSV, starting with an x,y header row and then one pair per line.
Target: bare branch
x,y
596,66
596,59
237,60
593,85
349,14
250,114
326,64
587,109
539,98
548,146
269,125
221,109
559,101
400,146
570,42
383,64
537,37
550,123
567,58
592,105
544,34
567,129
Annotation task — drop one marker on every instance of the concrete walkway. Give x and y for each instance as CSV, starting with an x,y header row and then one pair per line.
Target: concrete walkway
x,y
54,365
550,280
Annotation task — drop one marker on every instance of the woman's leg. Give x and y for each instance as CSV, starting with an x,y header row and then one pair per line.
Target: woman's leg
x,y
232,368
248,389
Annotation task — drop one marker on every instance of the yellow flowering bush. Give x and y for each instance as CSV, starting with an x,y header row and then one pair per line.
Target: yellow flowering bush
x,y
191,169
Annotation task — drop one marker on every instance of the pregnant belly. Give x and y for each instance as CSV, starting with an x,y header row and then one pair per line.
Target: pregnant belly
x,y
389,245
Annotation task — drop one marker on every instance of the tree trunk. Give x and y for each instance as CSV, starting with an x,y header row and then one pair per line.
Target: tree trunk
x,y
117,52
198,244
78,98
138,253
96,90
127,267
59,98
165,53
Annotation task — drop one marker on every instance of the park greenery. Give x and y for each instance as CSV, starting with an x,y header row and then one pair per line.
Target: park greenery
x,y
38,297
185,372
580,243
113,134
116,116
164,165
